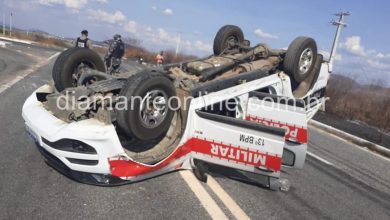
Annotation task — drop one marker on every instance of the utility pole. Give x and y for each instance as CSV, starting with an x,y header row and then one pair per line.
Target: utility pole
x,y
10,25
178,44
340,24
3,22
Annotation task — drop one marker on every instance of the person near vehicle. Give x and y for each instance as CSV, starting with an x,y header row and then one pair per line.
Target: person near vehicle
x,y
160,58
83,41
114,55
140,58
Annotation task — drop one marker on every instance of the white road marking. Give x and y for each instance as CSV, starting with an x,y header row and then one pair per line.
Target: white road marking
x,y
320,158
25,73
3,43
16,40
205,199
54,55
234,208
352,144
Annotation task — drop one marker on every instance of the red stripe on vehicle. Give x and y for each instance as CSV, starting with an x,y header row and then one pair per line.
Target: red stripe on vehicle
x,y
293,133
129,168
236,154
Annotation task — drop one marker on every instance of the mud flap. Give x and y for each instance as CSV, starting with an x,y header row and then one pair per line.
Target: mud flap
x,y
288,114
237,143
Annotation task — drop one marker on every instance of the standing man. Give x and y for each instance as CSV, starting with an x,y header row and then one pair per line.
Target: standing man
x,y
114,55
83,41
160,58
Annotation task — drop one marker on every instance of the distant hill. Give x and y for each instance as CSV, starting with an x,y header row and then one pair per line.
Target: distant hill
x,y
350,82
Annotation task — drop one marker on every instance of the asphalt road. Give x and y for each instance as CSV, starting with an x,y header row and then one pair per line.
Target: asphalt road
x,y
11,62
339,180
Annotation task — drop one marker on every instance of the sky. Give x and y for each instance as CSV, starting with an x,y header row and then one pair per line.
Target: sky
x,y
363,53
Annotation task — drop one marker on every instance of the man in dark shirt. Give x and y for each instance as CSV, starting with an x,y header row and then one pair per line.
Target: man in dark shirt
x,y
83,41
114,55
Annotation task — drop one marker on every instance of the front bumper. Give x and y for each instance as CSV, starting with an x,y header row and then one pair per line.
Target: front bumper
x,y
47,129
82,177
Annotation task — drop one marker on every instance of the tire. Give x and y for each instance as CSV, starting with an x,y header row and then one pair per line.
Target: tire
x,y
66,64
130,120
57,66
224,35
297,61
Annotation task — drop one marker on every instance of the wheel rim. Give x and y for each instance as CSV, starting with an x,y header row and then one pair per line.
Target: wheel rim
x,y
305,61
232,40
154,108
80,68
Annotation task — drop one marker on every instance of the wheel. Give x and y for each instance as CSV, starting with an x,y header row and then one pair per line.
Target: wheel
x,y
67,66
300,58
149,107
227,35
57,66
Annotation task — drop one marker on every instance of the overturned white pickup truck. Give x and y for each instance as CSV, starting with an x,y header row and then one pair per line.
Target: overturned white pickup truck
x,y
244,108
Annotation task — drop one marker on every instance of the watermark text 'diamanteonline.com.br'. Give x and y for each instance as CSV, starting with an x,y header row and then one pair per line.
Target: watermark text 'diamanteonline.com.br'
x,y
158,101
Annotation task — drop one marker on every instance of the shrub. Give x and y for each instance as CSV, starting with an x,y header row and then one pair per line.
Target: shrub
x,y
352,101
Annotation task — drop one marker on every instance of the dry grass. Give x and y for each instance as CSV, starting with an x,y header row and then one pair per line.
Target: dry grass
x,y
149,56
352,101
39,38
133,48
